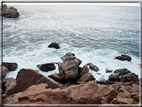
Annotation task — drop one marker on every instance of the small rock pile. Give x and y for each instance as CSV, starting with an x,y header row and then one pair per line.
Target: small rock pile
x,y
10,12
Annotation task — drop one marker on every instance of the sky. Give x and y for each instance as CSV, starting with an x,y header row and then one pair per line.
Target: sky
x,y
120,4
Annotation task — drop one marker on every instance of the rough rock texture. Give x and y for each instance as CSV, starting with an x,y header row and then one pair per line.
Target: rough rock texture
x,y
84,70
85,78
117,85
114,77
3,71
46,67
10,85
54,45
10,66
93,67
74,94
122,93
29,77
56,77
123,57
107,92
10,12
69,69
122,71
123,101
130,77
68,56
12,99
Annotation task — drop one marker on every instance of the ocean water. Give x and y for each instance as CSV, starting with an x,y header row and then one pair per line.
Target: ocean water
x,y
95,34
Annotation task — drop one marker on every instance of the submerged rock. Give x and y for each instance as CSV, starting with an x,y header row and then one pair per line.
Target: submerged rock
x,y
10,66
123,58
93,67
54,45
46,67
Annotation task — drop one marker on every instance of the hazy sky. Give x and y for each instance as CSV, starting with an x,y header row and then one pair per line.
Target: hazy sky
x,y
121,4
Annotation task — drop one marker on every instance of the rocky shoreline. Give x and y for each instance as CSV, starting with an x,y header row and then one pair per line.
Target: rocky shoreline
x,y
72,85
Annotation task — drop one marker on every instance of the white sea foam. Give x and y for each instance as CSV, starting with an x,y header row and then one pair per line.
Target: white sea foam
x,y
103,58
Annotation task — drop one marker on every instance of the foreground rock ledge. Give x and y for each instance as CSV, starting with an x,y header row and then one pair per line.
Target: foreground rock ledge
x,y
29,77
76,94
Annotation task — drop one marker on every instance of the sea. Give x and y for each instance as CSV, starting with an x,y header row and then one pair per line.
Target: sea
x,y
94,33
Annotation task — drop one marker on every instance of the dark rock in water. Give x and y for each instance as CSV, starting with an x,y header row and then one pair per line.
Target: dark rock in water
x,y
54,45
68,56
85,78
123,57
84,70
10,12
101,81
56,77
10,66
93,67
69,69
122,71
114,77
3,71
29,77
130,77
108,70
46,67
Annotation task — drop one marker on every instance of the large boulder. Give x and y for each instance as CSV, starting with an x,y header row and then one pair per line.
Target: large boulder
x,y
85,78
29,77
10,66
93,67
69,69
10,12
122,71
46,67
68,56
74,94
3,71
123,57
54,45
